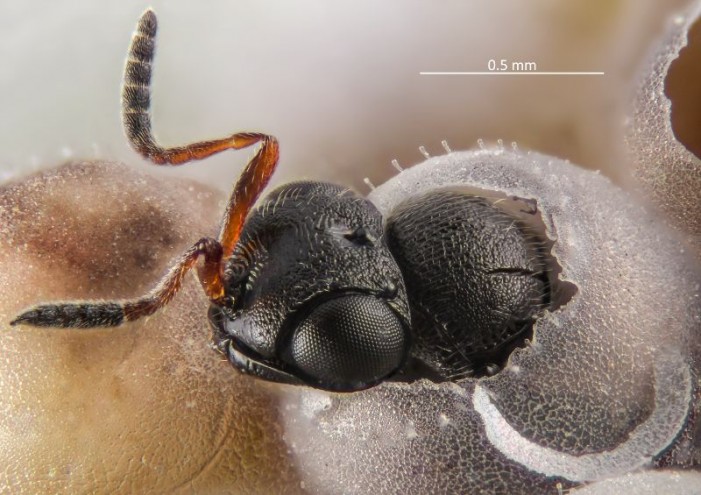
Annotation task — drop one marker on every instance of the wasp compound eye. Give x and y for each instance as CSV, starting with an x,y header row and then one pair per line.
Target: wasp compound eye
x,y
348,343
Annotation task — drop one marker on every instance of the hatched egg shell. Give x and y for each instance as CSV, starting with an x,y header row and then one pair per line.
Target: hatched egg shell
x,y
147,407
663,163
604,389
647,483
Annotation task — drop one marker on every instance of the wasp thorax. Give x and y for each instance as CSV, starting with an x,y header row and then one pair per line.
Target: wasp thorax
x,y
476,276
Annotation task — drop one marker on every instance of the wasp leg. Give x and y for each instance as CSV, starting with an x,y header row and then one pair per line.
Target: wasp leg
x,y
136,101
89,314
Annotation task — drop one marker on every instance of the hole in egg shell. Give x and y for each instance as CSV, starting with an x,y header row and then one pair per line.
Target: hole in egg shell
x,y
604,388
508,232
663,128
527,212
681,87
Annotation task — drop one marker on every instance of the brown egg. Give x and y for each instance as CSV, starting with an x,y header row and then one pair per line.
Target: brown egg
x,y
147,407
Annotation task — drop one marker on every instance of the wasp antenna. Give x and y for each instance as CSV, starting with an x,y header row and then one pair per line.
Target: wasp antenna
x,y
136,85
136,102
90,314
74,315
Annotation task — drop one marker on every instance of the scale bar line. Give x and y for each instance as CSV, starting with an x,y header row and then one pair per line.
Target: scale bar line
x,y
511,73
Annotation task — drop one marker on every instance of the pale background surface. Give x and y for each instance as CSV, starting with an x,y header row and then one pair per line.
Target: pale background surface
x,y
337,83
